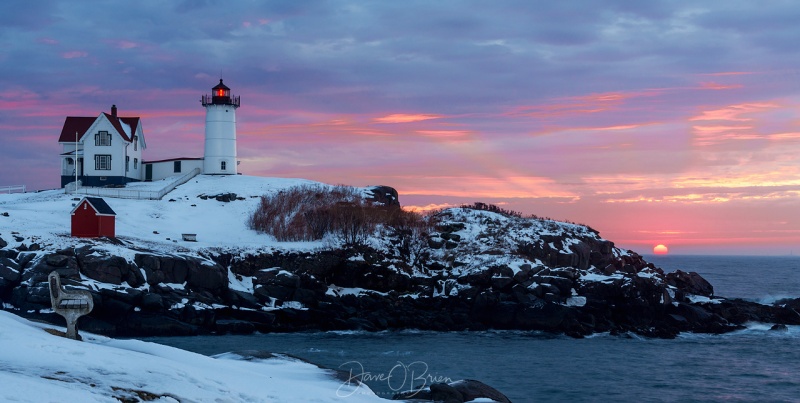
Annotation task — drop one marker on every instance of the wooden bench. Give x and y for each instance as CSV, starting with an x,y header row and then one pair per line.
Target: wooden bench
x,y
71,304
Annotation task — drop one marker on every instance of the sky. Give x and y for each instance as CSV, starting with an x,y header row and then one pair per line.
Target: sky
x,y
654,122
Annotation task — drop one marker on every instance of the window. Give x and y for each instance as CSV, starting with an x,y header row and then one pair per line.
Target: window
x,y
127,163
102,162
177,166
222,165
135,144
102,138
135,163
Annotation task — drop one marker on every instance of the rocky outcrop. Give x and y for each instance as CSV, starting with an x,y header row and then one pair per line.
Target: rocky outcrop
x,y
474,270
455,392
385,195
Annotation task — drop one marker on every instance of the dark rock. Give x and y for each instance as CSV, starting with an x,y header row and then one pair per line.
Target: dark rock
x,y
691,282
233,326
543,316
24,258
472,390
242,299
384,195
152,302
779,328
57,260
459,391
39,270
9,270
435,243
206,276
103,268
451,237
501,283
442,392
276,291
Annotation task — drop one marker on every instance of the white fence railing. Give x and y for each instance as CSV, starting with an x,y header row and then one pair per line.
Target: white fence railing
x,y
12,189
123,193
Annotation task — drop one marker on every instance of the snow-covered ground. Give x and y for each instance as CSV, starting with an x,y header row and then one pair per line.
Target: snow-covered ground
x,y
36,366
44,217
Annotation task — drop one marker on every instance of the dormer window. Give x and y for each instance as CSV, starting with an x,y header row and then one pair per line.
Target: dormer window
x,y
102,138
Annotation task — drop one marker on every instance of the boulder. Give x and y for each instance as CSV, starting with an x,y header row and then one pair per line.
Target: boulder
x,y
152,302
384,195
9,270
106,269
690,282
467,390
40,269
207,276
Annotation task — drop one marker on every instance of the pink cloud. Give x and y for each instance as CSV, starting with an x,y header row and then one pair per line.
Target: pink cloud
x,y
123,44
580,105
728,73
444,133
406,118
717,86
620,127
735,112
74,54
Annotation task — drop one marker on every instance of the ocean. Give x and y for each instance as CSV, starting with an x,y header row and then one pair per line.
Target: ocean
x,y
755,364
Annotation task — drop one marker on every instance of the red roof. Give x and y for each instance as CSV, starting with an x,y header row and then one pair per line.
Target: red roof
x,y
75,124
81,124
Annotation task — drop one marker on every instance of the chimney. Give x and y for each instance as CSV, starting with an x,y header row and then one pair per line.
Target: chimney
x,y
114,110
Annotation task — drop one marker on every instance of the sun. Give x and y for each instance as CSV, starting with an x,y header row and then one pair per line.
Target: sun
x,y
660,249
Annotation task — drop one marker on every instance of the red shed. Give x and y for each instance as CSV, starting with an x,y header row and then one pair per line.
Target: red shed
x,y
93,218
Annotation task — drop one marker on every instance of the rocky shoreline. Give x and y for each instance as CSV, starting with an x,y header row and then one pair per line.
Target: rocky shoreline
x,y
479,270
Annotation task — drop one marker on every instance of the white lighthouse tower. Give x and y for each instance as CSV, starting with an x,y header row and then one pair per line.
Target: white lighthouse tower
x,y
220,147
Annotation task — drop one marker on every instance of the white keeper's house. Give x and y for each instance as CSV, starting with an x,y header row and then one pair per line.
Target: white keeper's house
x,y
107,150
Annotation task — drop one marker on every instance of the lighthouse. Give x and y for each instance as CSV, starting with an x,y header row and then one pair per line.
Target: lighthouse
x,y
220,146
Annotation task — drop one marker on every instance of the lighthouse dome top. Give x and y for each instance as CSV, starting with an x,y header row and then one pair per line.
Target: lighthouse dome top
x,y
221,86
220,95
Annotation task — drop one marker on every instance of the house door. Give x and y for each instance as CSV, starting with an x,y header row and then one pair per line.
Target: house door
x,y
148,172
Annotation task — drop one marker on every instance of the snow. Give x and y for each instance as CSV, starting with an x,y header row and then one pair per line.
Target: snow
x,y
336,291
45,367
43,217
240,283
601,277
126,128
700,299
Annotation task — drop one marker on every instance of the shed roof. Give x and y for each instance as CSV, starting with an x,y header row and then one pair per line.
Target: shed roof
x,y
99,205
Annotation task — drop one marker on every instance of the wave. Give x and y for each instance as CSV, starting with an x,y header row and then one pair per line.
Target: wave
x,y
770,299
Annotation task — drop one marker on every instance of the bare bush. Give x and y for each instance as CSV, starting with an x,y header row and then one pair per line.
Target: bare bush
x,y
311,212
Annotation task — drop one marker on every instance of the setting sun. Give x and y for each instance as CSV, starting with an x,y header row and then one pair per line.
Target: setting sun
x,y
660,249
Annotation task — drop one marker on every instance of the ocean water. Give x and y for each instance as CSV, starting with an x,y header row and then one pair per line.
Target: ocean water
x,y
755,364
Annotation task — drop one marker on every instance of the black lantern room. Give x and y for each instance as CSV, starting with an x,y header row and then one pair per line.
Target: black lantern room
x,y
220,95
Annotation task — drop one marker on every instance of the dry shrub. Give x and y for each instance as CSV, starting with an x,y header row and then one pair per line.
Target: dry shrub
x,y
311,212
492,208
